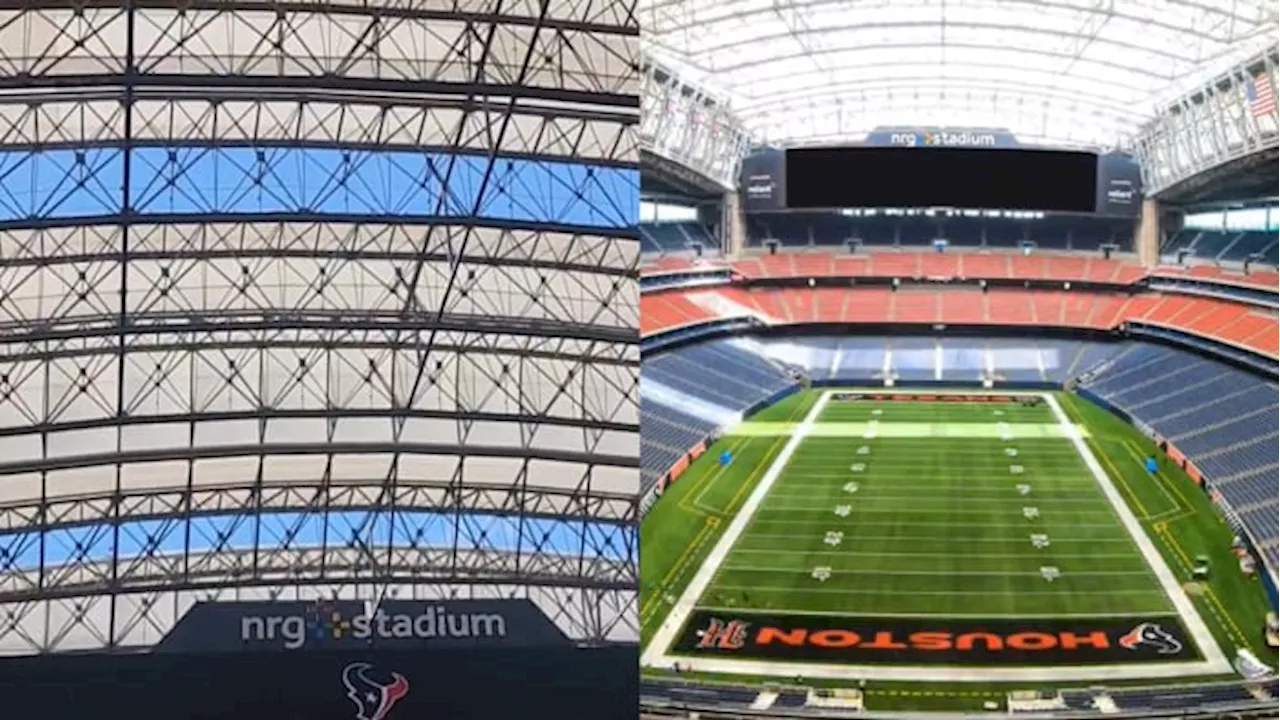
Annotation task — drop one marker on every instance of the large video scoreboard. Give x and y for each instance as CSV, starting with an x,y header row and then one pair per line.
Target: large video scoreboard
x,y
932,167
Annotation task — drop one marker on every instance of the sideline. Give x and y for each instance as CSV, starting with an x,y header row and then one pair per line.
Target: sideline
x,y
655,654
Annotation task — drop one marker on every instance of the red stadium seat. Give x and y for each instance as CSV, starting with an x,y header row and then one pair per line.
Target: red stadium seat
x,y
1230,322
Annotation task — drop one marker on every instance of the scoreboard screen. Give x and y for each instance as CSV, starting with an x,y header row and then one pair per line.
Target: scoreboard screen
x,y
905,168
1051,180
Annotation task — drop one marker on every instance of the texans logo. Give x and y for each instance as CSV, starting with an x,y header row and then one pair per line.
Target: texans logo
x,y
373,699
1151,635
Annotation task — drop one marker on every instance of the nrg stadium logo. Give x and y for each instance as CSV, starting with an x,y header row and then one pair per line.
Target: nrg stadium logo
x,y
324,623
943,138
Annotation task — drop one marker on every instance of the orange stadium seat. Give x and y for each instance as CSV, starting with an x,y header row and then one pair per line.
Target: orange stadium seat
x,y
960,307
1108,311
912,306
667,310
939,266
971,265
770,303
982,265
1266,341
1223,320
1066,268
895,264
867,305
1009,306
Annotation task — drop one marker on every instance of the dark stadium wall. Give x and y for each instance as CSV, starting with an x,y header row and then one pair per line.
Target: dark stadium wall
x,y
447,684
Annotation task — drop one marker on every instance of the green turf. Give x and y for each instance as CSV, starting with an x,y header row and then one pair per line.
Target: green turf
x,y
938,477
679,531
923,512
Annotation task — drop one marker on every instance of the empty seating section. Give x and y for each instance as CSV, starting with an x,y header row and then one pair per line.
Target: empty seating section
x,y
906,230
1232,246
863,359
663,311
976,265
721,374
676,237
1266,279
913,358
665,436
1225,321
1221,418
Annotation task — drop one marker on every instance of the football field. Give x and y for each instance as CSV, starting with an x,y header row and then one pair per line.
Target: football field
x,y
897,533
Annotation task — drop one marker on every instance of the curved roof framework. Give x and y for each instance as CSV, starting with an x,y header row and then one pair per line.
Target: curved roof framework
x,y
315,300
1062,72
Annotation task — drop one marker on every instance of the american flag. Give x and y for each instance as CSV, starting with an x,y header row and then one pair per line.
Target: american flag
x,y
1261,95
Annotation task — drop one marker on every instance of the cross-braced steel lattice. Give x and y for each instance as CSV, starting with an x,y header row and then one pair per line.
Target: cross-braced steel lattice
x,y
315,300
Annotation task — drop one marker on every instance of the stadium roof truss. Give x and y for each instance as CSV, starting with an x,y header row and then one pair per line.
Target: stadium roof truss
x,y
311,300
1060,72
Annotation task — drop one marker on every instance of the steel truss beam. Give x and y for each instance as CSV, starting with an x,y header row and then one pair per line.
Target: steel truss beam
x,y
160,503
362,48
215,118
595,602
425,388
814,69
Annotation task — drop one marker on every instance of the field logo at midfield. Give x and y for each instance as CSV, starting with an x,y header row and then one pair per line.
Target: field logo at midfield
x,y
723,635
1151,635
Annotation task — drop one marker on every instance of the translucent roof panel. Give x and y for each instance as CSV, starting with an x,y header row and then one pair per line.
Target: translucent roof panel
x,y
1068,72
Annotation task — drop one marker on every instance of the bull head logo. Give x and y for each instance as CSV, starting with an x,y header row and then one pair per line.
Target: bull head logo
x,y
373,699
1153,636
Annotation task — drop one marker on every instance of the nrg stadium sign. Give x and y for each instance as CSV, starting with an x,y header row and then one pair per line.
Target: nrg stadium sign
x,y
941,137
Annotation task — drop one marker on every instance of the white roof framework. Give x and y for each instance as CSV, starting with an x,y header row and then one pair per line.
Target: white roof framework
x,y
1063,72
315,300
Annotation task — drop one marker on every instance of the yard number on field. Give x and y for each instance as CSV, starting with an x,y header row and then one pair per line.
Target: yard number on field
x,y
822,573
833,537
1039,541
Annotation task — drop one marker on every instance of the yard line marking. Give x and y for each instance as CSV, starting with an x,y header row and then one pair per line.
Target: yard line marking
x,y
929,593
860,508
912,472
1213,656
1000,487
958,616
655,654
1160,484
954,492
712,520
1030,554
789,570
871,497
1118,540
1020,528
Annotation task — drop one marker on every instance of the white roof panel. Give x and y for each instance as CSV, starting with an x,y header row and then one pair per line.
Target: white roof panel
x,y
1066,72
